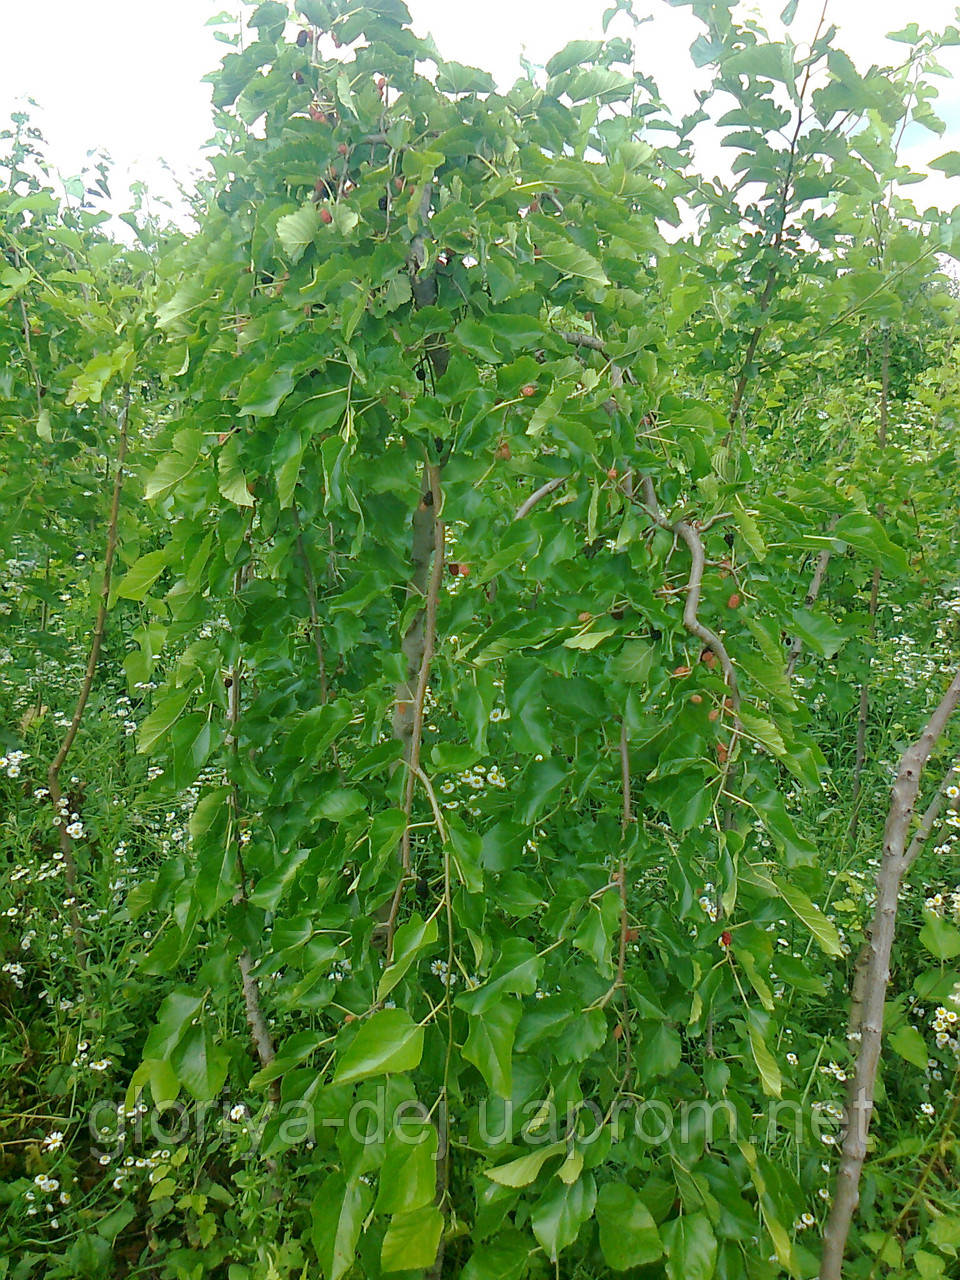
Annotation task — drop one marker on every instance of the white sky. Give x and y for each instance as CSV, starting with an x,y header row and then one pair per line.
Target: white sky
x,y
126,75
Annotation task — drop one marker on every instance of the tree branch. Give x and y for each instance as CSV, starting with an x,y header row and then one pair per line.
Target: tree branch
x,y
685,531
249,984
863,710
765,297
53,773
314,616
418,645
813,593
921,836
538,495
894,865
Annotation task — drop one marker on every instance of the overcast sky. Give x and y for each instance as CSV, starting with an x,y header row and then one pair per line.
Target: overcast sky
x,y
126,75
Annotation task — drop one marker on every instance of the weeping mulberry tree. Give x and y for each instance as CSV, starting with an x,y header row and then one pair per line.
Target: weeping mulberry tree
x,y
484,620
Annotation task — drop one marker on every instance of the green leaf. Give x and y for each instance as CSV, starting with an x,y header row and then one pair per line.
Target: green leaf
x,y
164,715
573,54
516,971
589,639
570,260
818,632
489,1044
477,338
948,163
174,467
628,1233
866,534
412,937
412,1239
690,1246
766,1063
522,1171
345,219
796,848
189,296
142,574
270,889
454,77
232,483
175,1015
749,530
822,929
944,1233
339,1210
269,19
560,1212
408,1179
634,662
388,1041
341,803
263,390
345,94
504,1258
200,1064
600,84
162,1079
909,1044
789,969
661,1050
939,937
288,471
759,985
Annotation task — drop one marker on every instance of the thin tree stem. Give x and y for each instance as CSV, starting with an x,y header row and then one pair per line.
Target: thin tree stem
x,y
53,773
893,868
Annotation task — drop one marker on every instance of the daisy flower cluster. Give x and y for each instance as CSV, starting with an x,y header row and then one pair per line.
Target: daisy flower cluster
x,y
123,711
708,902
944,904
11,763
477,779
36,1198
808,1219
944,1023
153,1167
440,969
835,1070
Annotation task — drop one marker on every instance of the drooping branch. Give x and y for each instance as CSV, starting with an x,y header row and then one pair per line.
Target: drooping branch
x,y
259,1031
863,710
626,817
813,594
417,645
893,867
96,643
585,340
690,536
249,984
538,495
423,283
27,341
311,584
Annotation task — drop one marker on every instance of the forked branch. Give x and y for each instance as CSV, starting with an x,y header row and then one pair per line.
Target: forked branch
x,y
690,536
